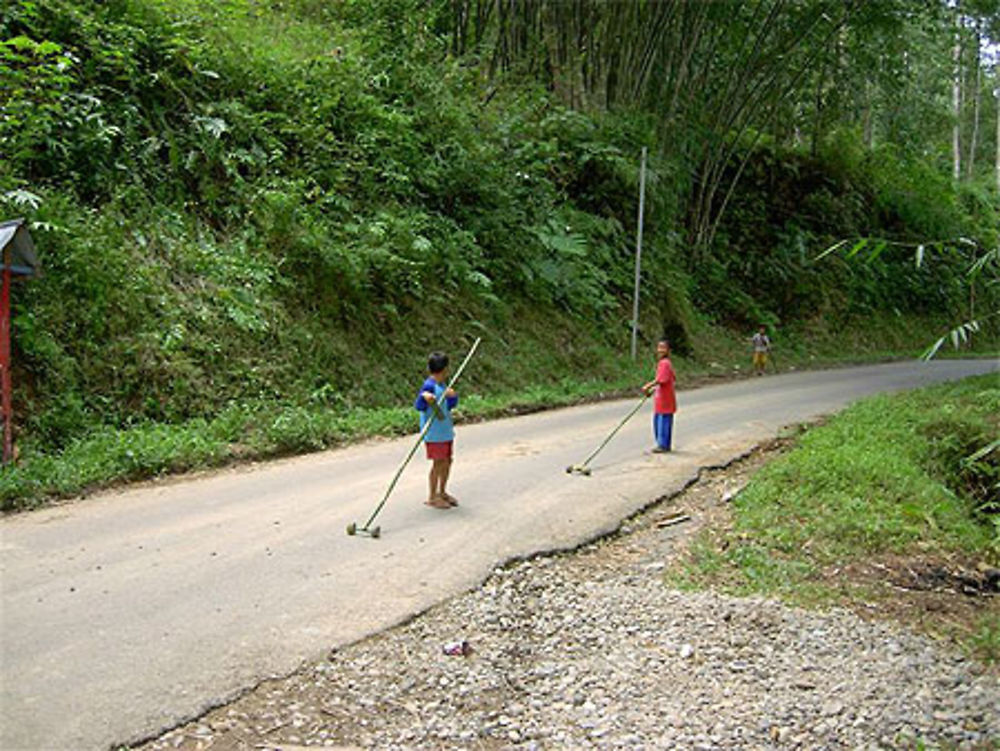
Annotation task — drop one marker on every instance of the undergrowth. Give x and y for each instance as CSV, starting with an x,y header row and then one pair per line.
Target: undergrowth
x,y
891,476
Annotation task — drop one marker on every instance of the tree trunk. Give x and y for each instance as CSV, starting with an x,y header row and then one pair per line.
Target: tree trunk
x,y
867,134
956,102
998,139
971,165
817,130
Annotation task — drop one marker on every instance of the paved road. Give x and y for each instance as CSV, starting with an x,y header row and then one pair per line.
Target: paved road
x,y
127,612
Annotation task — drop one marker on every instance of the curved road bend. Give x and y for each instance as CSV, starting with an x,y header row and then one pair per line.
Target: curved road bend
x,y
125,613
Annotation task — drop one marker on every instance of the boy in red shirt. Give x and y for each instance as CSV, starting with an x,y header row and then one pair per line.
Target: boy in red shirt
x,y
665,401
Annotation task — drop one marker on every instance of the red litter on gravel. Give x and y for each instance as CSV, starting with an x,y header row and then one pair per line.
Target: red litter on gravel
x,y
457,649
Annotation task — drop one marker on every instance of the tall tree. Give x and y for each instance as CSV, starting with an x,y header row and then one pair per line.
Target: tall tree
x,y
717,75
956,99
976,102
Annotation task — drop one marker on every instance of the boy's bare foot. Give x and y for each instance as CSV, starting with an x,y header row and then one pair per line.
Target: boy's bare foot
x,y
451,500
437,502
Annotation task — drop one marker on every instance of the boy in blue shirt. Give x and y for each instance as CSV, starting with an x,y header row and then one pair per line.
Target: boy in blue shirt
x,y
435,398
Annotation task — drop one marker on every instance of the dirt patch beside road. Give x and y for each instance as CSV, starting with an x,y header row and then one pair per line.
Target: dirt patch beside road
x,y
948,598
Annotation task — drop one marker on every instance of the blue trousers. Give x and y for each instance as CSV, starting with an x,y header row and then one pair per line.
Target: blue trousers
x,y
663,429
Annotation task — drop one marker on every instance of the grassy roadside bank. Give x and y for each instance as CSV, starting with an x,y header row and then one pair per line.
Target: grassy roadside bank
x,y
267,429
879,509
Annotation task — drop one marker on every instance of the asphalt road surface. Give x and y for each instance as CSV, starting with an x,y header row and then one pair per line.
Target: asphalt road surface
x,y
125,613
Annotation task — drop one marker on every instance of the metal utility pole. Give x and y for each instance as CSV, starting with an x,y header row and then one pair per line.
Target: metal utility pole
x,y
638,251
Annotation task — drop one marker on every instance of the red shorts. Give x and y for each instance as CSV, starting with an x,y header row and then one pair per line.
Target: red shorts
x,y
441,450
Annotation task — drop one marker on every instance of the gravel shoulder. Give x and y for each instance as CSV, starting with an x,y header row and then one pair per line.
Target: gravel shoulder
x,y
591,649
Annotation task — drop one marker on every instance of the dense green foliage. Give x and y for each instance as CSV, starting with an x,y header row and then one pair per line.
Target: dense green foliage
x,y
246,207
886,473
274,225
793,204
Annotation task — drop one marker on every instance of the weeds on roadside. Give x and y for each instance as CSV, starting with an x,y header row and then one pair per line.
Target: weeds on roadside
x,y
889,476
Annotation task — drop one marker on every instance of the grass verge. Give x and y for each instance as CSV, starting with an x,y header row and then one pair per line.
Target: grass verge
x,y
879,509
250,431
534,355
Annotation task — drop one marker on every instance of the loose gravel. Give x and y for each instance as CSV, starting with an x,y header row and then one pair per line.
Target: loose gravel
x,y
593,650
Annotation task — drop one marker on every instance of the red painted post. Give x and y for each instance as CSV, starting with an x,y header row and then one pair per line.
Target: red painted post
x,y
6,400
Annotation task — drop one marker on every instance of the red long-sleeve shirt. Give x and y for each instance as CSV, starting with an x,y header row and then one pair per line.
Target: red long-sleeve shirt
x,y
665,399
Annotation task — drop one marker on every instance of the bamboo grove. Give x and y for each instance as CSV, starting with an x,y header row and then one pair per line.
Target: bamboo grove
x,y
719,76
241,204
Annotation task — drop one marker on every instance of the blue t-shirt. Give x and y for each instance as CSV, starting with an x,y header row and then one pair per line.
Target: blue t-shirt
x,y
443,429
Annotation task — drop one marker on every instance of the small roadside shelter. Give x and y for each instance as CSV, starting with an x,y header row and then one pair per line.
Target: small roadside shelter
x,y
19,261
